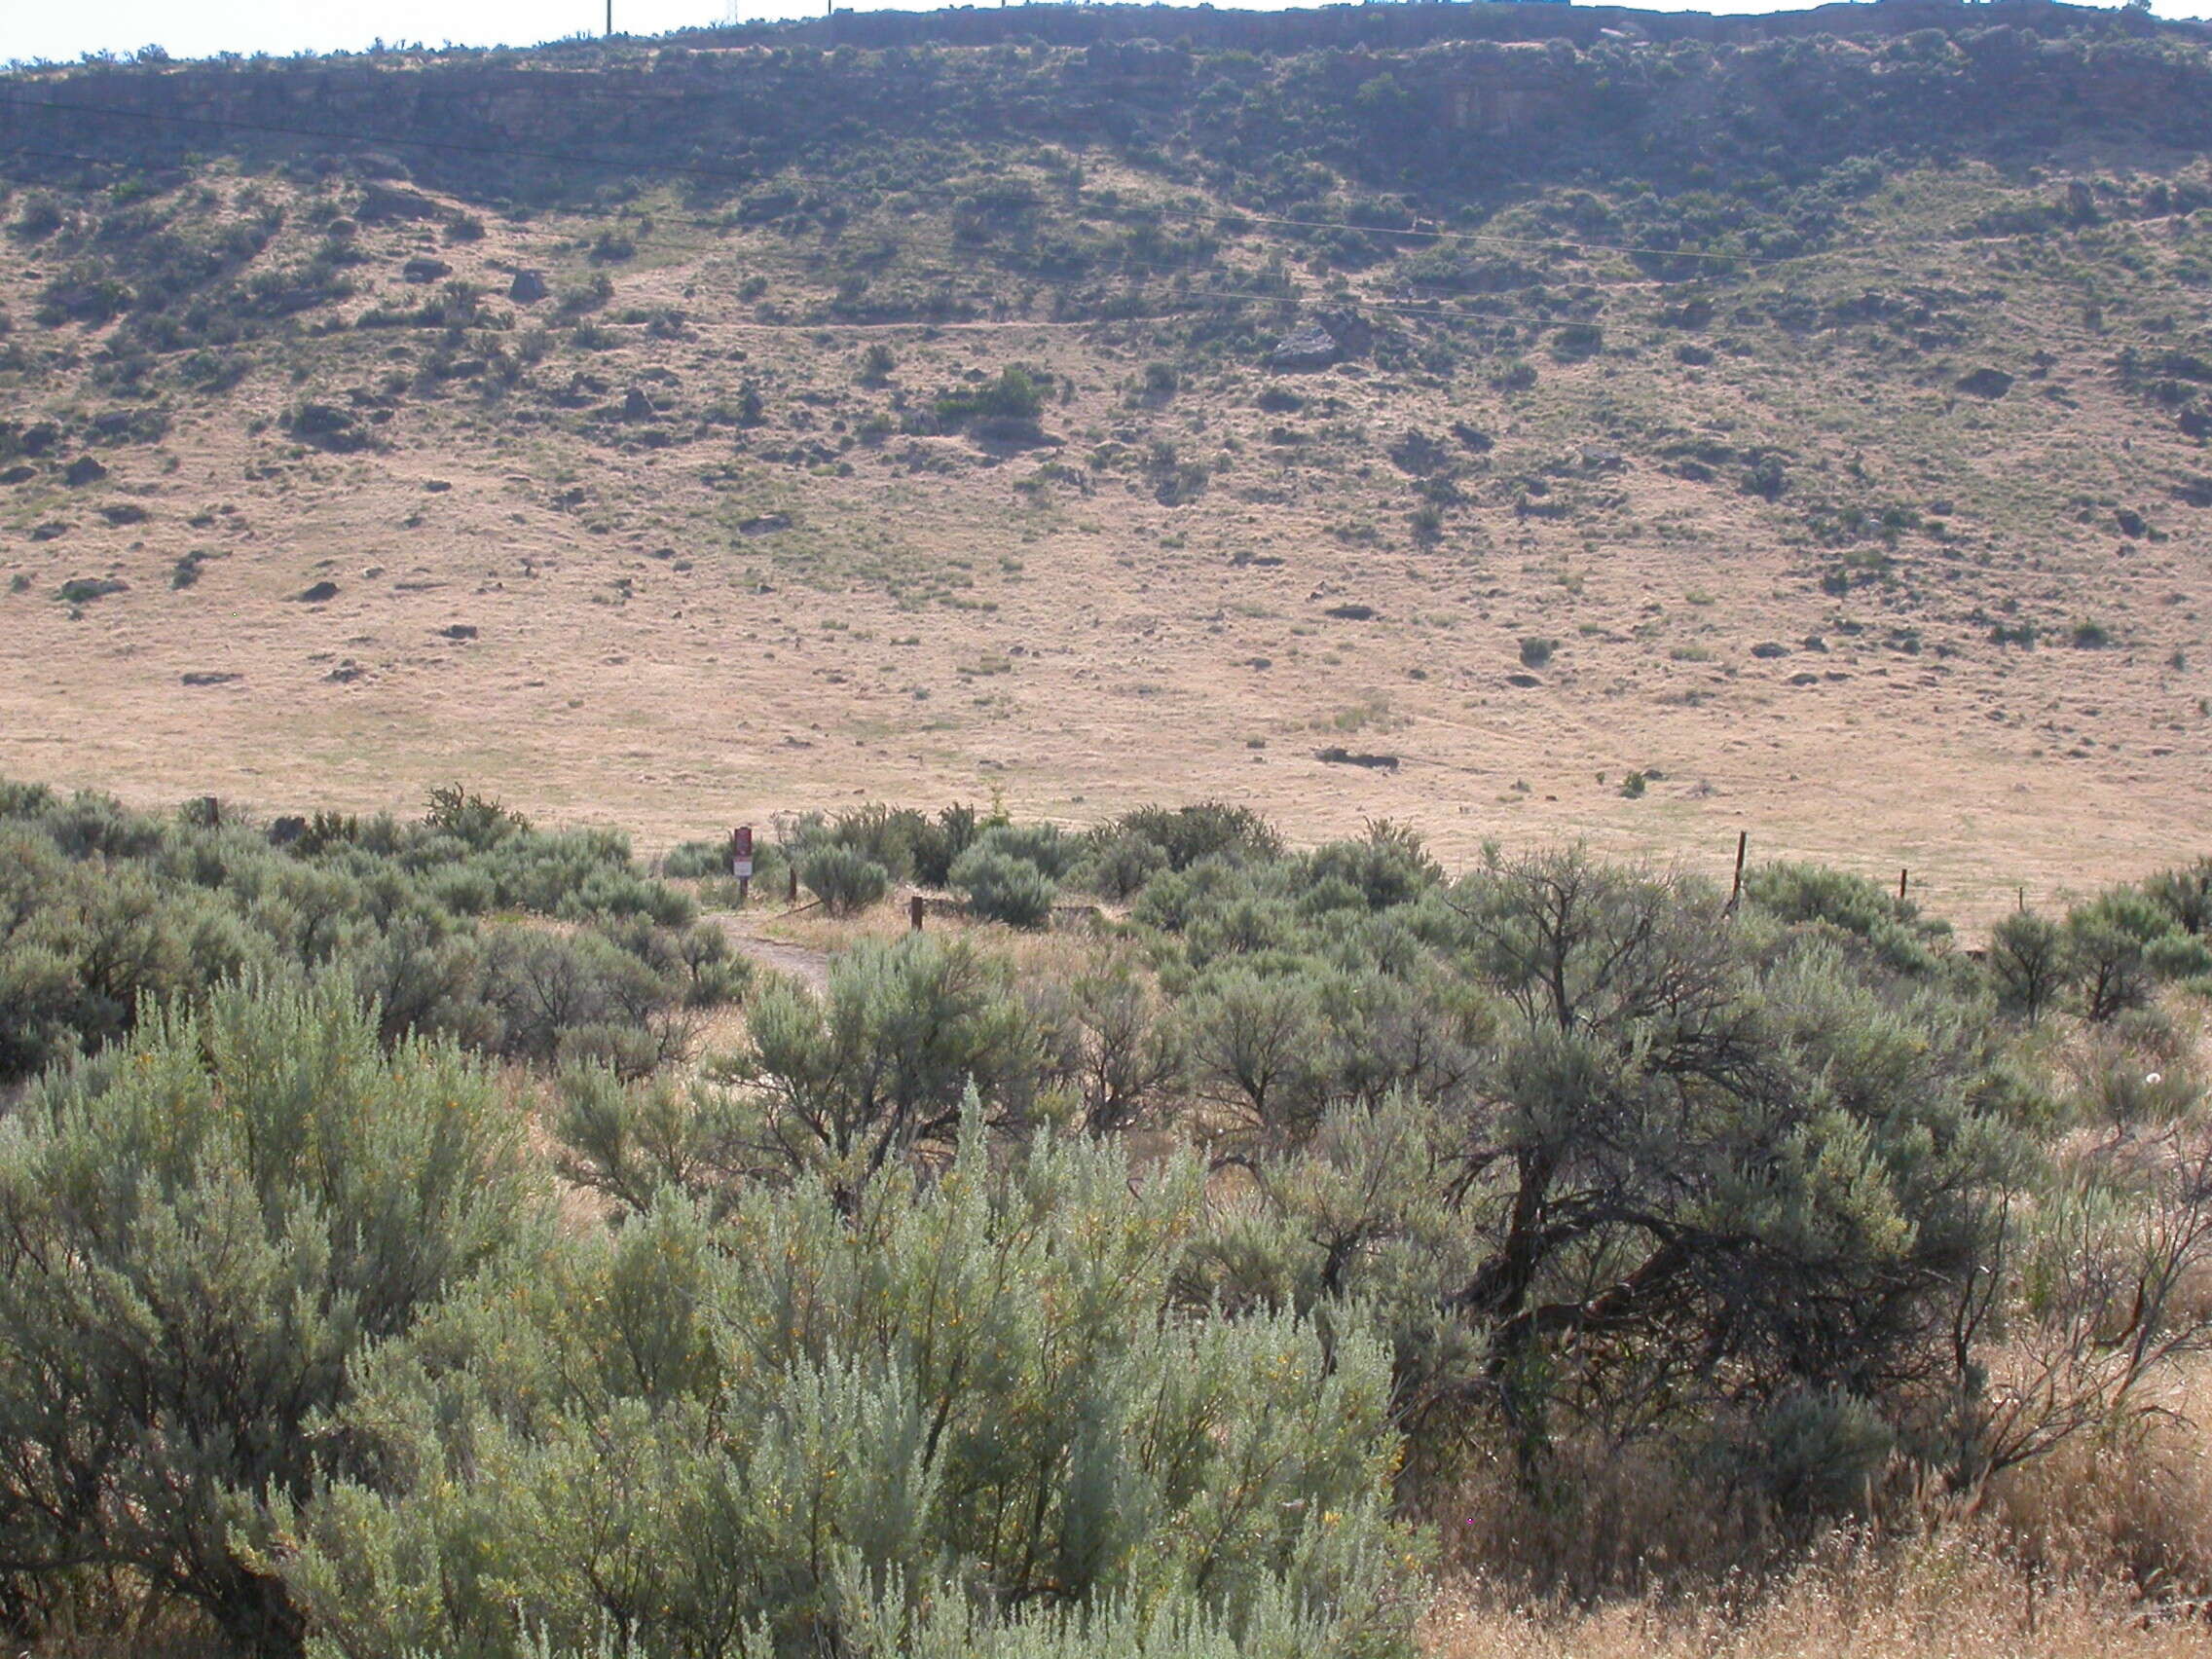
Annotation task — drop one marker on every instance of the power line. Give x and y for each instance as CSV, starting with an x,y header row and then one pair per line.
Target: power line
x,y
66,156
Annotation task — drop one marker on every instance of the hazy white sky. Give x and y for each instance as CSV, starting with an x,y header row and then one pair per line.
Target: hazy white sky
x,y
62,30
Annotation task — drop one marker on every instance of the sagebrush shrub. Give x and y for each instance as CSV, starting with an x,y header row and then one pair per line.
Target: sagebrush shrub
x,y
2028,964
1001,886
833,1422
846,882
204,1229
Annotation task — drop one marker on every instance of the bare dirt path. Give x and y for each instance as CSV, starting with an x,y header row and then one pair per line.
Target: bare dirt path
x,y
810,966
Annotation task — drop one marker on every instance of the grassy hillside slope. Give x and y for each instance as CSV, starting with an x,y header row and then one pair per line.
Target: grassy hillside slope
x,y
1795,432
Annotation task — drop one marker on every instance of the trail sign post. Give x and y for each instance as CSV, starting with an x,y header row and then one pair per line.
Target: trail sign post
x,y
741,860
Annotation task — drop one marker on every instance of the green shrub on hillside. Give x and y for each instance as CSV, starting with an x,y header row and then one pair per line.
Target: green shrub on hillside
x,y
1012,396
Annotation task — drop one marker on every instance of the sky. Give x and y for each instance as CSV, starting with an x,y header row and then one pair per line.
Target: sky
x,y
32,29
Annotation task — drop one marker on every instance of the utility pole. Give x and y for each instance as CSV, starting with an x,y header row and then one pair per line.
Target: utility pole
x,y
609,19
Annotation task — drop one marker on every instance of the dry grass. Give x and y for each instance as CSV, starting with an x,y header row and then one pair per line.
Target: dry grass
x,y
925,630
2104,1547
1957,1597
2133,1508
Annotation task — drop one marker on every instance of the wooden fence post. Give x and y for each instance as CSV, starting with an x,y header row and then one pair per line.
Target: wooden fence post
x,y
1742,842
914,911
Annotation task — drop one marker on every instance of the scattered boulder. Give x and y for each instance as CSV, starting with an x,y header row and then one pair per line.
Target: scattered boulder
x,y
1473,439
51,530
2133,524
345,673
1991,383
1350,612
426,270
1770,649
1523,681
637,406
528,288
1331,337
84,470
1312,346
765,524
121,513
321,593
458,631
210,677
18,475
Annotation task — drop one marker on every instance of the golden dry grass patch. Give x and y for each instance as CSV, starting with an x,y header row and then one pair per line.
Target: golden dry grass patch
x,y
942,620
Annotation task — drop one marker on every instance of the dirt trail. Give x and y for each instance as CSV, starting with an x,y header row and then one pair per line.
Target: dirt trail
x,y
805,964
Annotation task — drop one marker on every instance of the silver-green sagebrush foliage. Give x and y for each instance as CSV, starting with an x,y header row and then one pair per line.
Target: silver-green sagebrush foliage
x,y
1139,1293
103,911
839,1423
200,1232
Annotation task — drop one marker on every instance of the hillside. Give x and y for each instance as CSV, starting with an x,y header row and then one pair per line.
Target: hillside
x,y
1520,422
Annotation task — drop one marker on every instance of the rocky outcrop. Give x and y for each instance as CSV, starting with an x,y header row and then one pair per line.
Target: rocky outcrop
x,y
1330,338
1312,346
1395,93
